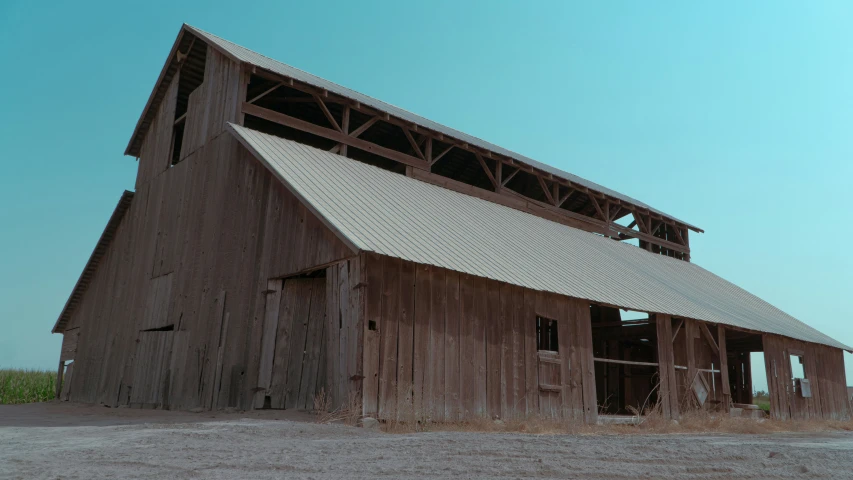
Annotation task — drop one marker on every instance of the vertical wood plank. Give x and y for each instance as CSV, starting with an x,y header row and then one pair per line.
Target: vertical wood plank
x,y
388,342
452,347
372,327
422,367
494,322
435,372
273,295
405,345
531,360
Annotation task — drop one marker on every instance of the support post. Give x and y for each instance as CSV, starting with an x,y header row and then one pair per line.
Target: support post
x,y
668,389
724,368
59,378
690,334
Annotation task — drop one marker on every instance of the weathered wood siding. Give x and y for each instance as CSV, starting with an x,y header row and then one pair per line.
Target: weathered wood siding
x,y
195,251
823,366
442,345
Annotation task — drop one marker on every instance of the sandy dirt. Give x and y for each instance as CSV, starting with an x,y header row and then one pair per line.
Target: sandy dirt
x,y
70,441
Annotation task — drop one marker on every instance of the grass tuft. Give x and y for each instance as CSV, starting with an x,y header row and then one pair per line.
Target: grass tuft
x,y
26,386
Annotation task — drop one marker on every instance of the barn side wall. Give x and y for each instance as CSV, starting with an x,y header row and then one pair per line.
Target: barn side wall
x,y
445,346
189,263
823,366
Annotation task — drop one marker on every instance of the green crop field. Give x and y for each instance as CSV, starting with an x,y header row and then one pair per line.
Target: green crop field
x,y
26,386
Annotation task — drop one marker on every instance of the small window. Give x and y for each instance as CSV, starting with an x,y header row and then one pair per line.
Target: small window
x,y
546,334
797,367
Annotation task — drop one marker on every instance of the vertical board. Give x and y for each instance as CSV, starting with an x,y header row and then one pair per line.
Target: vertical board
x,y
434,383
372,327
421,364
388,338
405,342
494,349
452,347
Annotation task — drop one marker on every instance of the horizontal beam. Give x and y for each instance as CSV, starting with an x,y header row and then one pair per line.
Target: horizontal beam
x,y
293,122
625,362
328,96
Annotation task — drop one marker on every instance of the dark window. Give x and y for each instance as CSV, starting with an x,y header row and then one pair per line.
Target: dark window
x,y
546,334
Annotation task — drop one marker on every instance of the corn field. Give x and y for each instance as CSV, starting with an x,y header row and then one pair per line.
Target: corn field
x,y
26,386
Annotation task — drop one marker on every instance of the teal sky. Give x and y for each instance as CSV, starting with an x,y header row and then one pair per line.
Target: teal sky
x,y
735,117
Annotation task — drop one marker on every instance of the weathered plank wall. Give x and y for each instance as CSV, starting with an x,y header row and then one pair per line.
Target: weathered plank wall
x,y
344,339
824,368
218,226
442,345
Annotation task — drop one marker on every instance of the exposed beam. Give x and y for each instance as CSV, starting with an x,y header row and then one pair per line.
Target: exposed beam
x,y
345,128
597,206
565,197
509,177
369,123
327,113
413,143
707,333
675,333
438,157
487,170
545,190
293,122
385,116
266,92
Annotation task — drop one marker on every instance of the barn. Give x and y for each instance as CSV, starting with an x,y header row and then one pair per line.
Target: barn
x,y
289,238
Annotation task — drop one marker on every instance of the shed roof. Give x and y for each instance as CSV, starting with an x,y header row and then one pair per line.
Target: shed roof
x,y
244,55
394,215
94,259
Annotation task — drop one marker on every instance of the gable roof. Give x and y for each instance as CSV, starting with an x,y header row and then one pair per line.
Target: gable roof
x,y
243,55
394,215
94,259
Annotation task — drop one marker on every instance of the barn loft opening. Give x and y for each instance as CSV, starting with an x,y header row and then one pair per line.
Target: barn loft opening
x,y
546,335
191,58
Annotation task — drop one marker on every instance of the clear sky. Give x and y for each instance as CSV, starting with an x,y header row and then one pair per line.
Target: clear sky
x,y
735,116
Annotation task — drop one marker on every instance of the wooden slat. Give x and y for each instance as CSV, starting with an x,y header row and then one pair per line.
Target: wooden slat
x,y
388,343
422,366
271,314
405,342
309,387
372,326
452,347
468,347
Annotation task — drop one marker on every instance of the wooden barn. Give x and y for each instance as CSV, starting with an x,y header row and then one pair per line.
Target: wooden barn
x,y
288,236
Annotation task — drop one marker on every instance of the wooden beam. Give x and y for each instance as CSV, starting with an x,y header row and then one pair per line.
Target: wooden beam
x,y
428,149
703,327
437,158
624,362
724,367
487,170
509,177
545,189
413,143
675,333
327,113
597,206
345,128
335,135
266,92
565,197
311,90
369,123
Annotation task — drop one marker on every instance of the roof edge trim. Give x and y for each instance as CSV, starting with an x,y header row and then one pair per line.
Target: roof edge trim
x,y
94,259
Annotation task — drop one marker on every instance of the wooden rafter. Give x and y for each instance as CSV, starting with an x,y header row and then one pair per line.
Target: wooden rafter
x,y
703,327
675,333
413,143
327,113
369,123
266,92
487,170
509,177
345,128
423,157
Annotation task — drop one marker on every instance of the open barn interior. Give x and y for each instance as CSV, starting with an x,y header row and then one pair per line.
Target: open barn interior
x,y
625,354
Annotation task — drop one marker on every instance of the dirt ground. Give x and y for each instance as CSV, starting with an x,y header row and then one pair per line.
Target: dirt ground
x,y
68,441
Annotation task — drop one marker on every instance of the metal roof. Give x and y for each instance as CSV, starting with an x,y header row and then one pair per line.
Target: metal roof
x,y
242,54
94,259
391,214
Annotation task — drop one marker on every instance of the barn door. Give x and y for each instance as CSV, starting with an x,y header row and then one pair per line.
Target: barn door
x,y
549,383
292,351
550,367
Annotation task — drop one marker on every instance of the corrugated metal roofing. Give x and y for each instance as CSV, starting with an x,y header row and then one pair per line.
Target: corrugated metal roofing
x,y
394,215
245,55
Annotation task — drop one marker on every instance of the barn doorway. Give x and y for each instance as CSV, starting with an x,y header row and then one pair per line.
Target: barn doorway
x,y
292,368
625,355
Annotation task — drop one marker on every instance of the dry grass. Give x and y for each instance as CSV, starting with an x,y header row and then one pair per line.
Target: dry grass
x,y
349,413
26,386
